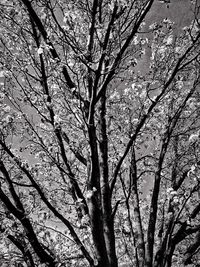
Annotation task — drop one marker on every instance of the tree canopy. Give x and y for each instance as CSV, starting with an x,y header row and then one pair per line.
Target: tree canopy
x,y
99,158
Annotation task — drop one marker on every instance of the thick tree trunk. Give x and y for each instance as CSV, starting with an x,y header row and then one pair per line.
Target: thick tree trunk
x,y
110,243
94,201
97,232
105,188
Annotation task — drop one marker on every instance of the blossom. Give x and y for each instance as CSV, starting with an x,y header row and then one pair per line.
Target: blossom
x,y
169,40
8,119
175,200
6,108
153,26
57,119
40,51
169,190
194,137
89,194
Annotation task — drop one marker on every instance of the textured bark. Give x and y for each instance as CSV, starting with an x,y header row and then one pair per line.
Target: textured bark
x,y
106,196
94,200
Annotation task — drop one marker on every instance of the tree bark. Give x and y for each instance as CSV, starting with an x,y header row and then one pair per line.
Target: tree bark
x,y
94,200
108,219
138,231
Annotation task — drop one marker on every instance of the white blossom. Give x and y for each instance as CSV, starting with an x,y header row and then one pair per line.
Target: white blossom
x,y
57,119
169,190
89,194
169,40
40,51
194,137
172,193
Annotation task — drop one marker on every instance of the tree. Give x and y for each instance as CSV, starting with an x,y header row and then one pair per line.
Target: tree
x,y
83,130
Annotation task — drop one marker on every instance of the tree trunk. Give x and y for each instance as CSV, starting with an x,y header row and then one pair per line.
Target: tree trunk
x,y
94,201
110,242
105,188
138,231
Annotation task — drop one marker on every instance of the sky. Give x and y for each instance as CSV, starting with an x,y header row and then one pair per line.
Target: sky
x,y
178,11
